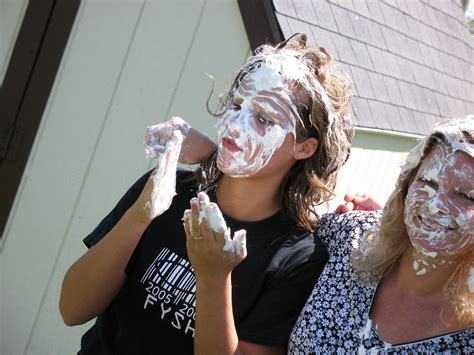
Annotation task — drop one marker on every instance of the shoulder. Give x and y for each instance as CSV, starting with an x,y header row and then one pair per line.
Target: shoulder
x,y
300,253
335,220
334,229
283,290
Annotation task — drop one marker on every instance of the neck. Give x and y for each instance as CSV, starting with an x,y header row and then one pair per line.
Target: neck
x,y
248,199
429,282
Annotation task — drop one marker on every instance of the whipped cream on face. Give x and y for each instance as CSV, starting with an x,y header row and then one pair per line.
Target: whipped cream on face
x,y
257,123
263,113
438,216
253,149
429,190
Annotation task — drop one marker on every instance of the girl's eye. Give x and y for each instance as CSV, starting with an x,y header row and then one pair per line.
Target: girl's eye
x,y
467,196
264,121
426,181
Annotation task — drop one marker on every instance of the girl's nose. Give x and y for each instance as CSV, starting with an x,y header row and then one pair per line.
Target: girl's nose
x,y
234,126
438,204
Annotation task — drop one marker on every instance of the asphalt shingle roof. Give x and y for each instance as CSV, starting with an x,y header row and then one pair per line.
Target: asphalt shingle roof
x,y
411,60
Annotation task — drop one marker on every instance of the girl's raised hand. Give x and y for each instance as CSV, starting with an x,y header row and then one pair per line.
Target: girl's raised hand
x,y
211,250
196,144
158,193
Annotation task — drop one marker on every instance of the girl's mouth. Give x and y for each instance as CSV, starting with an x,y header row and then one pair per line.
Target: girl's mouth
x,y
433,224
229,144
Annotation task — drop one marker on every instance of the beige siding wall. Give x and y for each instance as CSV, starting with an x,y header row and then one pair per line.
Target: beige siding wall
x,y
128,64
373,166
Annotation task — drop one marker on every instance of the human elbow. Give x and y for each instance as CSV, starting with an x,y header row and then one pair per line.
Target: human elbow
x,y
70,318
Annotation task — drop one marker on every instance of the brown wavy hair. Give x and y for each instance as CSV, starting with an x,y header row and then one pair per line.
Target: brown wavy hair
x,y
309,182
382,247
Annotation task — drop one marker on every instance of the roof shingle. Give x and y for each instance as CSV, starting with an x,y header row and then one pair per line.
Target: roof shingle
x,y
411,60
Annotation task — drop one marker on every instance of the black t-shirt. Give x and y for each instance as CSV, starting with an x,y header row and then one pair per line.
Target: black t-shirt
x,y
154,311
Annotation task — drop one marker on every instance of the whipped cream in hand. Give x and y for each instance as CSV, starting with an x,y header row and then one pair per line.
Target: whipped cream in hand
x,y
164,177
210,212
157,136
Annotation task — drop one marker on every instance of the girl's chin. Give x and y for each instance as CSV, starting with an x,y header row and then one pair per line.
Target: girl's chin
x,y
439,250
232,171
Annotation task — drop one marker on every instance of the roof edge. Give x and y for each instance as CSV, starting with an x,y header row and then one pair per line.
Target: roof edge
x,y
387,132
260,22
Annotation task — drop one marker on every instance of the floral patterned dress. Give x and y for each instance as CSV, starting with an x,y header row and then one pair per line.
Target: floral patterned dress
x,y
335,318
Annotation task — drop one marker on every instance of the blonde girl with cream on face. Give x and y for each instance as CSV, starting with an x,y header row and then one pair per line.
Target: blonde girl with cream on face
x,y
409,281
156,287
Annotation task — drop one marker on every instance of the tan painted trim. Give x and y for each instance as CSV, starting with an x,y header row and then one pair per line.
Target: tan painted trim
x,y
388,133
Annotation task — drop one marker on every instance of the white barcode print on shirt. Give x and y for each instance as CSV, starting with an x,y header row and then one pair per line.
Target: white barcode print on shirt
x,y
174,274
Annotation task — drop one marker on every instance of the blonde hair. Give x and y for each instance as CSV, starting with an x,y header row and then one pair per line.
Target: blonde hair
x,y
382,247
309,182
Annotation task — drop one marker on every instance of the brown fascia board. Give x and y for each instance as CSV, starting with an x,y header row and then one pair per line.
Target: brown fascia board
x,y
23,106
260,22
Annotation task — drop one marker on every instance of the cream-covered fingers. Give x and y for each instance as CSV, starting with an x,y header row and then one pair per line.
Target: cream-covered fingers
x,y
210,212
206,214
157,136
164,177
196,145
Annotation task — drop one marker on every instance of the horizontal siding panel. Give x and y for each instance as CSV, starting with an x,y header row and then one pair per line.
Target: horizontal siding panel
x,y
373,167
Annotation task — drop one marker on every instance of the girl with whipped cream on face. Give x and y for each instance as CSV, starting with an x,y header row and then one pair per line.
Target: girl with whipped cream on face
x,y
284,132
406,286
282,137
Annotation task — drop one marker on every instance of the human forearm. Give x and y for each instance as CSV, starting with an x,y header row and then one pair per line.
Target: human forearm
x,y
213,261
94,279
215,328
196,147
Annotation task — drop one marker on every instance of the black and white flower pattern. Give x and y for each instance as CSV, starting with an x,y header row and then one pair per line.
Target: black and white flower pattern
x,y
337,312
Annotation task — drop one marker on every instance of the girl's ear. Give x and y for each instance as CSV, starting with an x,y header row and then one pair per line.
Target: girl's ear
x,y
306,148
